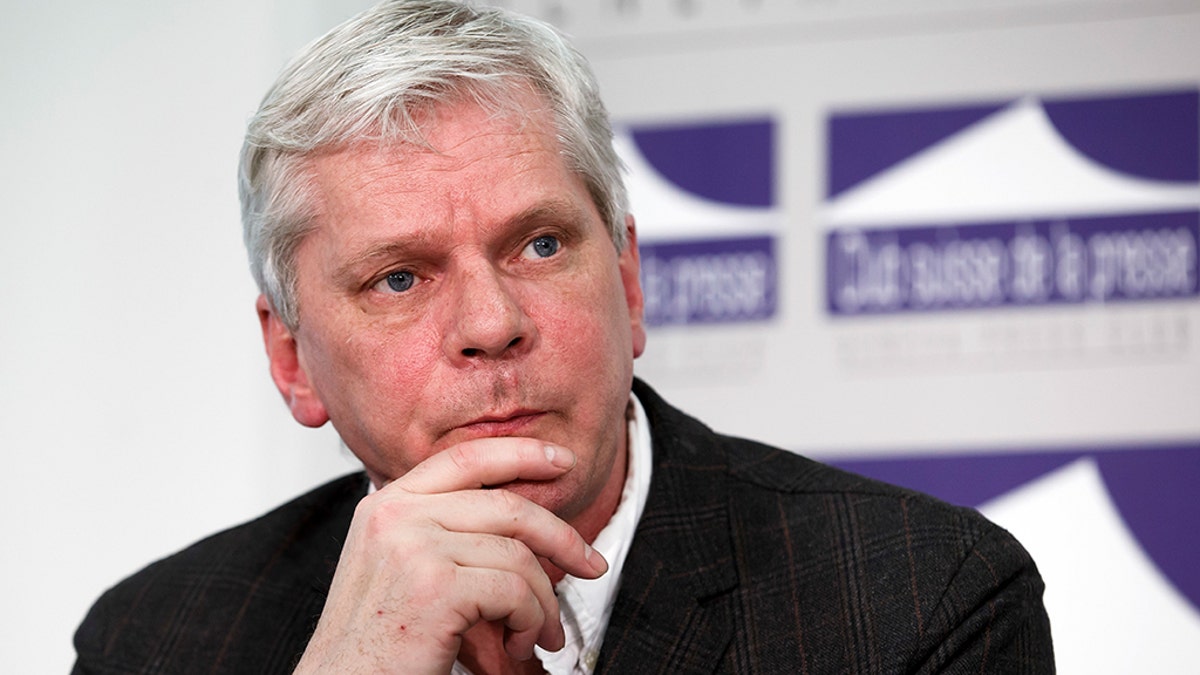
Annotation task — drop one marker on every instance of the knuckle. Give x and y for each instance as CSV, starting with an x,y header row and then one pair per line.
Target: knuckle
x,y
565,538
434,581
380,517
516,552
531,450
397,529
463,460
510,504
524,556
514,587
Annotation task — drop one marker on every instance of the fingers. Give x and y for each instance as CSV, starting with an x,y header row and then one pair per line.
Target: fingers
x,y
509,515
435,553
501,596
487,461
452,479
525,581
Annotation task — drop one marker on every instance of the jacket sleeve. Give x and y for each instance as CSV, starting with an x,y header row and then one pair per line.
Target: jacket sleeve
x,y
90,639
990,618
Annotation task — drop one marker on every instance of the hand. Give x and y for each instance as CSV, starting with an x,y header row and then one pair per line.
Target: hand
x,y
433,553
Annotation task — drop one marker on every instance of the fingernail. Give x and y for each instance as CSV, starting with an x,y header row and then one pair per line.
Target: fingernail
x,y
560,457
596,560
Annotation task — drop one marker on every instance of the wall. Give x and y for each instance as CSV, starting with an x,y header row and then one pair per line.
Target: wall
x,y
135,410
136,413
951,247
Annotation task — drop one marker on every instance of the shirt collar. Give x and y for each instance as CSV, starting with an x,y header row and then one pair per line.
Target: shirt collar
x,y
586,604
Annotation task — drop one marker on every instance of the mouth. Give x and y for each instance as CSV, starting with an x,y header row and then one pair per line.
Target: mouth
x,y
514,423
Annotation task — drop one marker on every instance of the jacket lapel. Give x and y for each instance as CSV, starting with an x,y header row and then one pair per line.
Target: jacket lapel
x,y
672,612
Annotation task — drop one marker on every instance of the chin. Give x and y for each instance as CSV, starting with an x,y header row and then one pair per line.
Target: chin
x,y
546,494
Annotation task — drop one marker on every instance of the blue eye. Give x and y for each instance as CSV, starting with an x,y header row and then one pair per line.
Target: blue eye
x,y
544,246
400,280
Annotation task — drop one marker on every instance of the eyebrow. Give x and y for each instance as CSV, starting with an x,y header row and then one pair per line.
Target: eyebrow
x,y
347,274
558,210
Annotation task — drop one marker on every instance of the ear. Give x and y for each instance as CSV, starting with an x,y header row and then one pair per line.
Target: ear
x,y
630,266
287,368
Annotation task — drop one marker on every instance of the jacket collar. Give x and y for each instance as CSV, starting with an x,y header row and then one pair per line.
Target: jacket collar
x,y
670,612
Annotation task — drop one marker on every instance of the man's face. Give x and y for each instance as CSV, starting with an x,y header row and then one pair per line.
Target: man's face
x,y
464,290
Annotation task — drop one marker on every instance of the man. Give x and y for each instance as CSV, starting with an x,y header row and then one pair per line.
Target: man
x,y
436,220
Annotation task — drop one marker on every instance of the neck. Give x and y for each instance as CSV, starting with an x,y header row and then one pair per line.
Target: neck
x,y
595,517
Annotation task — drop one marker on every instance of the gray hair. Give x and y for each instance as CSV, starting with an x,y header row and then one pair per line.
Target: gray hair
x,y
367,79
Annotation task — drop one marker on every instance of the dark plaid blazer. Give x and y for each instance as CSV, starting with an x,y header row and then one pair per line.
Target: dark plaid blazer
x,y
748,559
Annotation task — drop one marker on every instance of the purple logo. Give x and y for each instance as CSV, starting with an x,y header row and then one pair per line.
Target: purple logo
x,y
1064,260
709,281
1036,201
1152,487
704,198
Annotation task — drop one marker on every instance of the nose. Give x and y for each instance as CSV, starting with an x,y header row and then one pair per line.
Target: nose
x,y
486,318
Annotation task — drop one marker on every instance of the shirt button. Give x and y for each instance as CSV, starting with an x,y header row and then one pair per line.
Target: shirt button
x,y
589,659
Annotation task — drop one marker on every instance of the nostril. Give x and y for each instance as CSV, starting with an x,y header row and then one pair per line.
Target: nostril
x,y
474,352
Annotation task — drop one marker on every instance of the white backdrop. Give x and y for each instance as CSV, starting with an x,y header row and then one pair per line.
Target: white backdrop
x,y
135,409
1106,393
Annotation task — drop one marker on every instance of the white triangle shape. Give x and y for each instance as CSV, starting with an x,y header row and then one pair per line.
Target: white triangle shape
x,y
664,211
1011,165
1111,609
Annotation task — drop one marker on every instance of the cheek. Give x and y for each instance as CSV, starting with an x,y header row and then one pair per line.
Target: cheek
x,y
376,365
591,327
384,382
399,362
400,354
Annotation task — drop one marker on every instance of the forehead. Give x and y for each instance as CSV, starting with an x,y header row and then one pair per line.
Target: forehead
x,y
474,166
457,140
